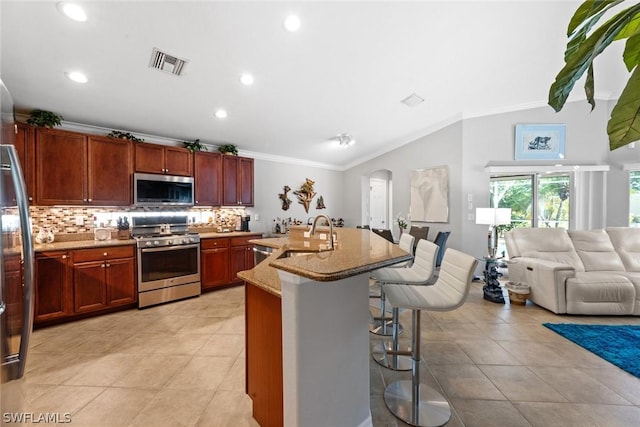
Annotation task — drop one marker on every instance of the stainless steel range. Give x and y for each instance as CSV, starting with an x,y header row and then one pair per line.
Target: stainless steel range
x,y
168,259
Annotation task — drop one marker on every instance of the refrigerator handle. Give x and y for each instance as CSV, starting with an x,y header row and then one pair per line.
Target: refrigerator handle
x,y
27,258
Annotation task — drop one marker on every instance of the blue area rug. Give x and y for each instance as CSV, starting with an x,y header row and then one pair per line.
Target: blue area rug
x,y
617,344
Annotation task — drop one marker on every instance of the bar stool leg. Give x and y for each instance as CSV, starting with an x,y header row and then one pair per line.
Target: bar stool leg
x,y
382,325
389,354
414,403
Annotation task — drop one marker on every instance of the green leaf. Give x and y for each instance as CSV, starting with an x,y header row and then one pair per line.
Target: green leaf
x,y
631,53
587,10
588,87
624,124
583,21
581,60
632,28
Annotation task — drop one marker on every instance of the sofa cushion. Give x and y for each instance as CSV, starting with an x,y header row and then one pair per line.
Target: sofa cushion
x,y
626,241
551,244
600,293
596,250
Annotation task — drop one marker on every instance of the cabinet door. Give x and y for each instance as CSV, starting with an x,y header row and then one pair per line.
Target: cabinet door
x,y
110,164
25,146
149,158
121,286
89,286
61,159
230,180
215,267
241,259
208,178
178,161
245,181
52,293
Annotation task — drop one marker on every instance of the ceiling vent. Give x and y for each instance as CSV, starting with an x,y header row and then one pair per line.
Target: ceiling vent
x,y
165,62
412,100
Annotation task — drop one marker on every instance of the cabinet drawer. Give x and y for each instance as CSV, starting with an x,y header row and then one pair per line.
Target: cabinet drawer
x,y
214,243
243,241
98,254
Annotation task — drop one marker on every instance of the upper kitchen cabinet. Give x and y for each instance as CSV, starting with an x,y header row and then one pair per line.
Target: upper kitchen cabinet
x,y
24,143
207,169
110,166
76,169
238,181
161,159
61,161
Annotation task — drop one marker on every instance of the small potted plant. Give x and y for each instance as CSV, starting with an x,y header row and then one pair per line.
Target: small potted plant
x,y
228,149
194,146
116,134
402,223
45,119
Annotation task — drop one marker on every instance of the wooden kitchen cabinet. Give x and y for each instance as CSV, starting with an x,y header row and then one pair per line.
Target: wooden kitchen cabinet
x,y
109,171
237,181
214,259
161,159
24,142
207,170
78,169
241,256
61,161
103,277
52,286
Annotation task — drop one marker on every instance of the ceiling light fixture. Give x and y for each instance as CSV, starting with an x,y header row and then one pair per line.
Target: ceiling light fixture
x,y
292,23
344,140
72,11
246,79
77,77
221,114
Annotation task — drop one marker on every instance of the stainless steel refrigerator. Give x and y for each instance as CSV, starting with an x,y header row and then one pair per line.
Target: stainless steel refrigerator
x,y
16,264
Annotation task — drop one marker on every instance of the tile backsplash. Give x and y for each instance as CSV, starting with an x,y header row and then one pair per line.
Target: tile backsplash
x,y
75,219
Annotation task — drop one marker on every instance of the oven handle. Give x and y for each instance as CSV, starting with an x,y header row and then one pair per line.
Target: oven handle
x,y
169,248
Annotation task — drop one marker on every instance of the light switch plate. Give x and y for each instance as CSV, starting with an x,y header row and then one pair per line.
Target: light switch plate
x,y
79,220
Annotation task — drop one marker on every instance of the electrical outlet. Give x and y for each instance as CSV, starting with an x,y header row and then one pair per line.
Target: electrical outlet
x,y
470,217
79,220
256,217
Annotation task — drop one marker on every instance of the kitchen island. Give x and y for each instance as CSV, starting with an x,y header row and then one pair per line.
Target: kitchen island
x,y
307,313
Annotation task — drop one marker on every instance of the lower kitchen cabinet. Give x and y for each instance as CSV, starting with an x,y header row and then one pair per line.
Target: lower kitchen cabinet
x,y
74,283
241,256
53,290
214,259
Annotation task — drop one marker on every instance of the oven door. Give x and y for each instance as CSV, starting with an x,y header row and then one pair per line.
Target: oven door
x,y
168,266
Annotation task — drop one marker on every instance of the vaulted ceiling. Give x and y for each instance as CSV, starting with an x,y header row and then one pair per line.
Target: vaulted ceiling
x,y
346,70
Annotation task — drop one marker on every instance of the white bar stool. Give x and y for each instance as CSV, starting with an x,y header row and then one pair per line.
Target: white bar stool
x,y
381,325
414,403
420,273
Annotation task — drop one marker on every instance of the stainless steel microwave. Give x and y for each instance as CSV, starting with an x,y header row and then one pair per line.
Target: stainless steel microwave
x,y
162,190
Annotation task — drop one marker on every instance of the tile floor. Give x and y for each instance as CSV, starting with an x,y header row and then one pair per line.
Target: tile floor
x,y
182,364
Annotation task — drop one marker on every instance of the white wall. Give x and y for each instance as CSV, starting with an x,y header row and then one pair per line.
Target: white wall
x,y
271,177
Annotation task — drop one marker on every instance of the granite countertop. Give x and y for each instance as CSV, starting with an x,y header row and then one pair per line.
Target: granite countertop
x,y
88,243
356,251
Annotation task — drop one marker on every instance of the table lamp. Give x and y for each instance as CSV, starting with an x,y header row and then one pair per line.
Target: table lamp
x,y
493,217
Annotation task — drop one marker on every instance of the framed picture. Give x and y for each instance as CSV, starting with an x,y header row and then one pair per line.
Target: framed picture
x,y
540,142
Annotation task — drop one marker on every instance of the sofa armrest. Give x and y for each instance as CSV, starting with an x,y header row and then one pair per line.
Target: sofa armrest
x,y
546,279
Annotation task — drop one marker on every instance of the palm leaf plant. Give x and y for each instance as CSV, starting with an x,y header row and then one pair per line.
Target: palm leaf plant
x,y
586,42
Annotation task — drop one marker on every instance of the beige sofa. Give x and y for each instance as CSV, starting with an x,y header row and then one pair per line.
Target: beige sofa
x,y
578,272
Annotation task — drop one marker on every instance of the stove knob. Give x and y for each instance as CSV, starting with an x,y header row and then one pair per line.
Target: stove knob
x,y
156,243
149,243
185,240
169,242
192,240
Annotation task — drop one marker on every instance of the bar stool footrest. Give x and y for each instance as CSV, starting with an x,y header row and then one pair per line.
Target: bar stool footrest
x,y
394,362
377,327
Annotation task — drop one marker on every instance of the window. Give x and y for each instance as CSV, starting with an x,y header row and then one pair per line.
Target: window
x,y
634,198
536,200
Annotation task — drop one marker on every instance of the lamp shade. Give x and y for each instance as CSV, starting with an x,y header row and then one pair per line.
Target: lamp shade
x,y
493,216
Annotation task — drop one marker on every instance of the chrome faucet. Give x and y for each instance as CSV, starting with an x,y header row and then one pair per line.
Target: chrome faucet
x,y
315,222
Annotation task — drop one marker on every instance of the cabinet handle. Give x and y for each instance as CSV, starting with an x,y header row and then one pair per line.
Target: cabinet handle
x,y
90,200
30,199
105,254
102,265
108,265
64,257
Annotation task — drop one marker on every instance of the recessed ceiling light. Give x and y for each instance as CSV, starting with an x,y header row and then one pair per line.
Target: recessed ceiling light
x,y
221,114
413,100
77,77
246,79
72,11
292,23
